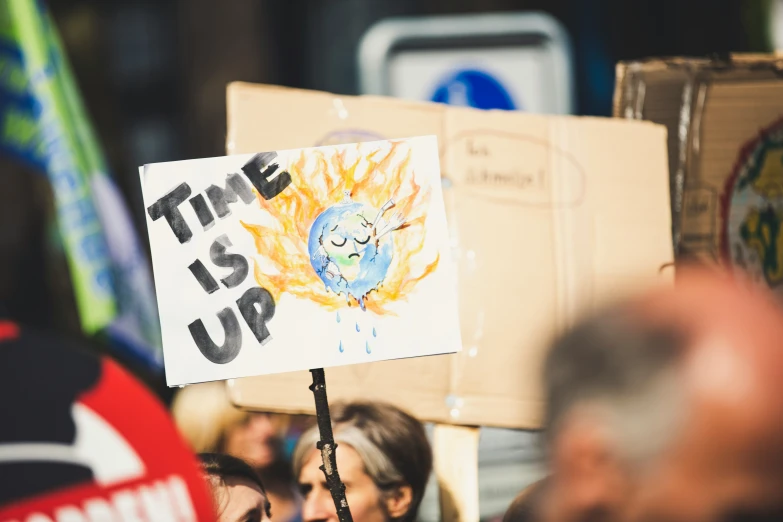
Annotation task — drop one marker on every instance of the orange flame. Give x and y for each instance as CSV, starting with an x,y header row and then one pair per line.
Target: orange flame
x,y
319,180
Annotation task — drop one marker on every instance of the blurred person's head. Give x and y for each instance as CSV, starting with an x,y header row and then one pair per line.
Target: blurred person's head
x,y
383,458
669,408
208,420
237,490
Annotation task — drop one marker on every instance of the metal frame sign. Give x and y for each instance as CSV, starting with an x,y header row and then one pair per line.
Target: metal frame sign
x,y
511,61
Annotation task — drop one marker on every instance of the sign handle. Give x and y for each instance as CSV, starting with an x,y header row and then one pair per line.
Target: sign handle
x,y
328,447
455,451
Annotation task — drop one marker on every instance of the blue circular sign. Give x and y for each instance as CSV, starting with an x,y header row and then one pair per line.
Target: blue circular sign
x,y
473,88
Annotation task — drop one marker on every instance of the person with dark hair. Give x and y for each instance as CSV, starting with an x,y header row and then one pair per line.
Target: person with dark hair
x,y
383,457
668,408
212,424
237,490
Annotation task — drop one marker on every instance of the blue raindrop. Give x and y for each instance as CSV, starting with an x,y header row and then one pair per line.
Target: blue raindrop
x,y
357,327
341,347
367,347
374,333
338,317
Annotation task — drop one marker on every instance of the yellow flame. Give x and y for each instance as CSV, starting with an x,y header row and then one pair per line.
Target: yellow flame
x,y
319,181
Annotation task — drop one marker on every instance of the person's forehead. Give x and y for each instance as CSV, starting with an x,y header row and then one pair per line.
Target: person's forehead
x,y
348,459
732,373
241,495
734,428
348,462
735,377
734,340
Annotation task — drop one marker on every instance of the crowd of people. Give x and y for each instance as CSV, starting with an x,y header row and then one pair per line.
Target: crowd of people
x,y
667,407
384,459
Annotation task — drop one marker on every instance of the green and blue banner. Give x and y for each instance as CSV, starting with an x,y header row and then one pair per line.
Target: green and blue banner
x,y
44,124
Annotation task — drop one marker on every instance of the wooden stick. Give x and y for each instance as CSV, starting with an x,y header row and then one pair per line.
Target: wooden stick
x,y
457,477
328,447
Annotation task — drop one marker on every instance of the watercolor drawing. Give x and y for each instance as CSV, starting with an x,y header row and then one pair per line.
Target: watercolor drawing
x,y
349,231
349,252
289,260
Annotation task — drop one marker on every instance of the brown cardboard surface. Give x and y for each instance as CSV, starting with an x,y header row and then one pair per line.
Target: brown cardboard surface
x,y
550,218
712,110
667,88
733,114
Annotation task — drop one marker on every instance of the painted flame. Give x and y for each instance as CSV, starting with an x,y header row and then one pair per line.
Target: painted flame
x,y
319,180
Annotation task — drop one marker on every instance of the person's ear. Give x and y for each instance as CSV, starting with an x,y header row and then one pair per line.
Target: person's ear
x,y
398,502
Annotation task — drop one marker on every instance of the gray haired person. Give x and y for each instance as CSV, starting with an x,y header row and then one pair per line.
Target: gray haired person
x,y
668,408
384,460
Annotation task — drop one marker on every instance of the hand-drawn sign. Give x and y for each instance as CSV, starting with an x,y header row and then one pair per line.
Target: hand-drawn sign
x,y
752,208
307,253
516,168
256,305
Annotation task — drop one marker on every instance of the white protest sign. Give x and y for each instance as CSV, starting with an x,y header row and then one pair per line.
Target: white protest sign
x,y
300,259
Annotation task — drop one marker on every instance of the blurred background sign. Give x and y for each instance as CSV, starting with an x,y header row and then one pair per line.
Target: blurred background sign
x,y
510,61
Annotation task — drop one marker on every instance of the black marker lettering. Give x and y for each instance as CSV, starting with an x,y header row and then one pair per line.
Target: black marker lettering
x,y
257,320
202,211
228,351
220,198
260,168
167,207
203,277
218,255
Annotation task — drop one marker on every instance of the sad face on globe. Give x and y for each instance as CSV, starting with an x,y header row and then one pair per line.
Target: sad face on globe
x,y
351,247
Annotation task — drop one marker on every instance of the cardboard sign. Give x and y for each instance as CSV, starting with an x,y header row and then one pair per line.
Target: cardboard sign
x,y
300,259
724,122
81,440
549,218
